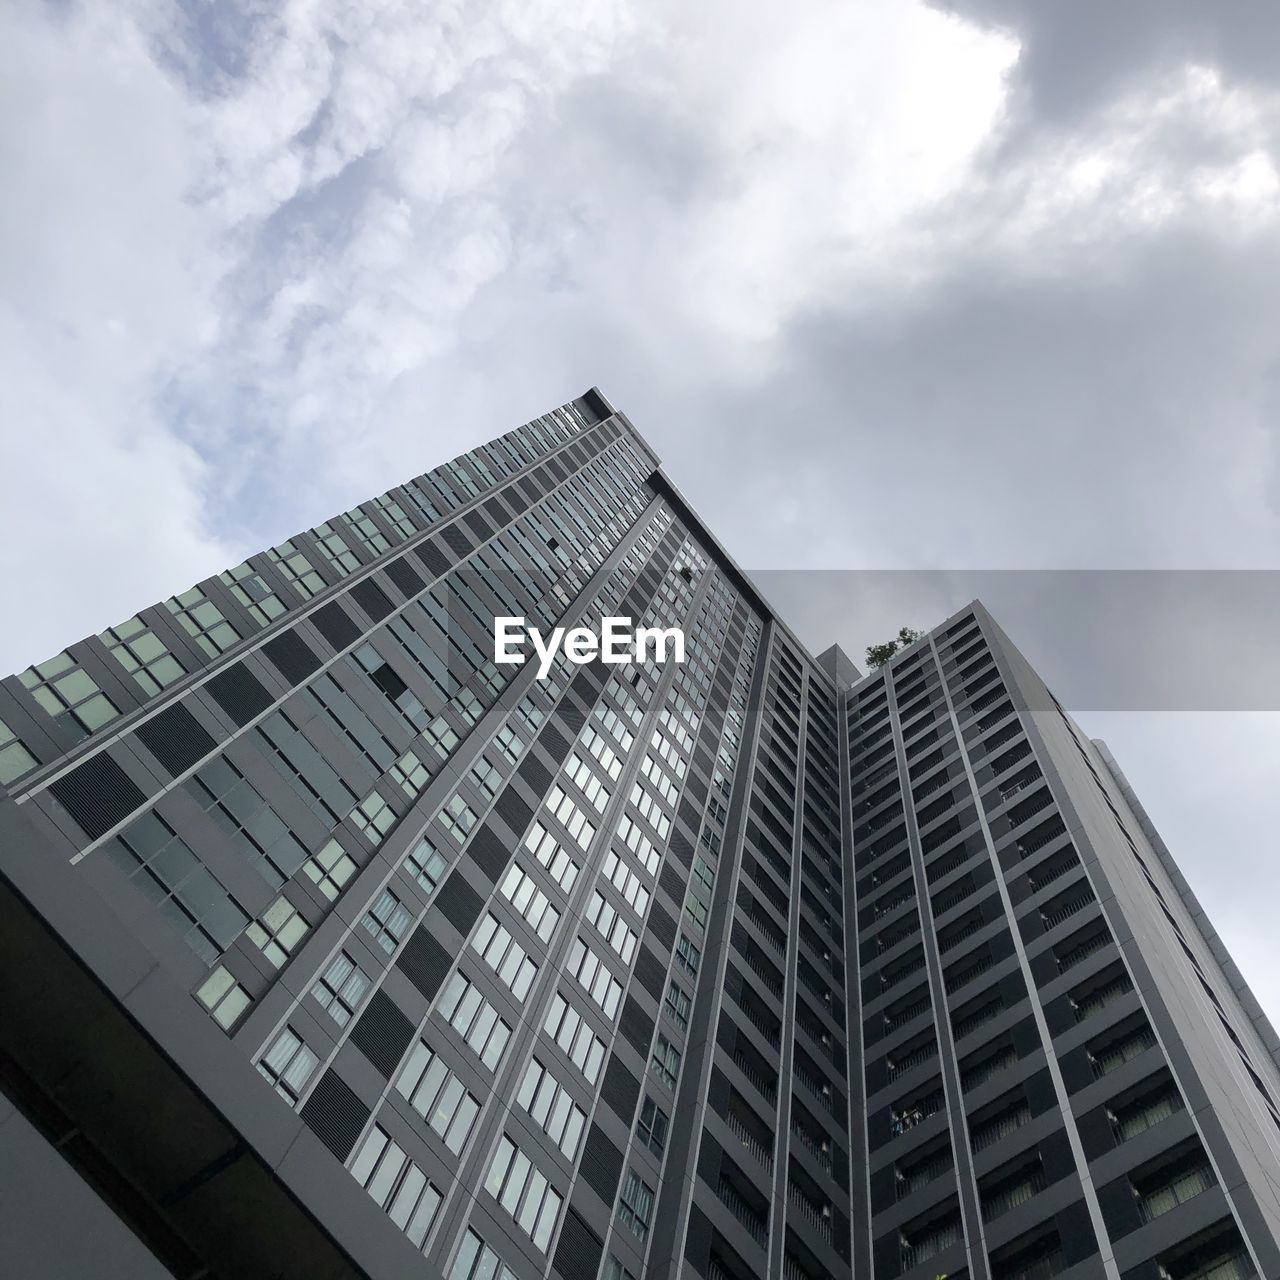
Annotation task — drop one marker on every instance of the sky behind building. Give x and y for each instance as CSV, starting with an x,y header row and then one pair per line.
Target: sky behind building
x,y
982,285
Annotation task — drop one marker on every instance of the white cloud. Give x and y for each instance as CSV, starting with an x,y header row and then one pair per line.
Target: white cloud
x,y
247,287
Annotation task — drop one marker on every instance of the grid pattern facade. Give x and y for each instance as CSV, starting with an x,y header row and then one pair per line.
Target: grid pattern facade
x,y
737,967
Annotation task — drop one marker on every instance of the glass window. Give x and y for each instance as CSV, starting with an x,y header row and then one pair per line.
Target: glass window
x,y
335,549
457,817
522,891
143,654
475,1020
427,864
69,695
251,590
677,1005
330,869
278,931
396,1184
395,515
652,1126
571,1032
340,988
504,955
182,889
665,1061
223,996
476,1261
373,817
594,976
296,569
688,956
437,1095
524,1192
551,1106
411,774
15,759
635,1204
288,1065
366,532
203,621
387,921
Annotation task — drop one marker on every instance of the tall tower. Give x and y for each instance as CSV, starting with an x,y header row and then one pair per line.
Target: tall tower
x,y
329,946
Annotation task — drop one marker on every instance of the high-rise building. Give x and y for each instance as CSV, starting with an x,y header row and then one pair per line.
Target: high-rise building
x,y
331,947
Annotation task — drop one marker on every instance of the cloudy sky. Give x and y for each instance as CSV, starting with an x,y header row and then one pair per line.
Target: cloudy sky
x,y
892,286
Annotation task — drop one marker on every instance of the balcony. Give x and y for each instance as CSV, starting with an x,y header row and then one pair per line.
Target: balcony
x,y
758,1150
1083,950
767,1088
1053,914
899,1066
1174,1187
988,1068
762,968
1011,1191
919,1247
959,975
992,1009
1019,785
991,1130
767,1025
892,903
899,1016
1098,999
821,1089
819,1149
819,1218
756,1223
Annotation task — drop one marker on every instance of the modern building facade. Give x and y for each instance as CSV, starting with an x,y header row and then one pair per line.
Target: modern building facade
x,y
329,947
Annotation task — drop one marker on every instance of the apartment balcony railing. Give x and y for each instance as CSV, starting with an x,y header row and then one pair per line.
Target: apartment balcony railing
x,y
761,1022
763,970
1160,1200
1042,1267
814,1147
1017,787
1100,997
819,1088
979,1017
1029,808
954,936
810,1212
1037,839
756,1224
984,1071
909,1062
766,1087
1065,910
957,978
951,897
1000,1126
770,931
883,907
1043,876
900,1017
1078,954
914,1252
749,1140
1010,1195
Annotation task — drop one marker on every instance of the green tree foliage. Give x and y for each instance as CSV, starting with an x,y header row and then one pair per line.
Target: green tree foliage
x,y
879,654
